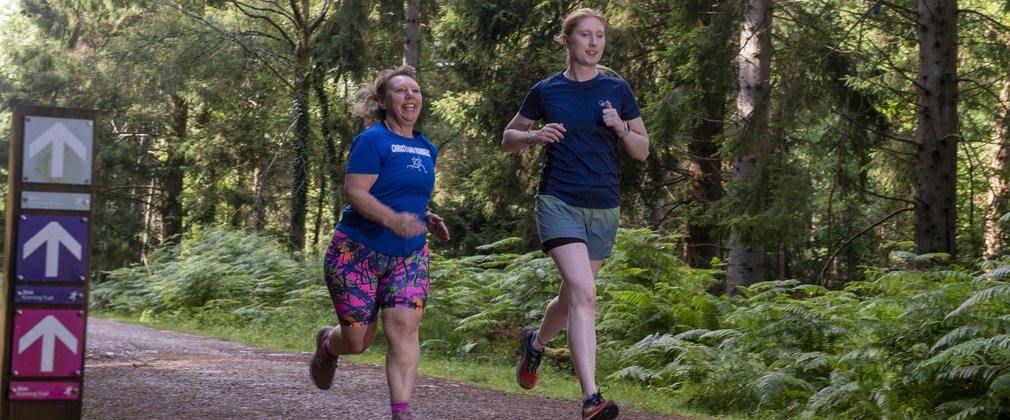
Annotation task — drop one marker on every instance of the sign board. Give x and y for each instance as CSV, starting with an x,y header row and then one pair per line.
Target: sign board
x,y
55,200
51,248
57,150
47,342
48,295
22,390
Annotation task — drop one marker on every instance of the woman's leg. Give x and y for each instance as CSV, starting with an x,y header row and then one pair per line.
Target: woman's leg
x,y
349,274
345,339
579,279
556,315
400,326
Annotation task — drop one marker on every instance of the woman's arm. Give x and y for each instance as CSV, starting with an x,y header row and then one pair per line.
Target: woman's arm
x,y
636,139
631,132
518,134
436,225
356,190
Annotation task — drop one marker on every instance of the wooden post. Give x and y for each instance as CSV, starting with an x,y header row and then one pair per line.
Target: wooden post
x,y
47,258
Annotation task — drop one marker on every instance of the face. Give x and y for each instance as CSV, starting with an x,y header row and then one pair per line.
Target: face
x,y
402,101
586,42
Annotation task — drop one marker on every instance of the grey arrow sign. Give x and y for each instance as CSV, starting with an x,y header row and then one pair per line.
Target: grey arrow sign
x,y
58,150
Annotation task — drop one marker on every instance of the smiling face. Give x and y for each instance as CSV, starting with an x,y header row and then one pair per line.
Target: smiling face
x,y
402,100
586,42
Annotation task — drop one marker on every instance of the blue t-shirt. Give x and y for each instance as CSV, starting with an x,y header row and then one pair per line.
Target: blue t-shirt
x,y
581,170
406,169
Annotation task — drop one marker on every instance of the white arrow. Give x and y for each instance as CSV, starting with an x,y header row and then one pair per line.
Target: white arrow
x,y
49,329
52,236
60,137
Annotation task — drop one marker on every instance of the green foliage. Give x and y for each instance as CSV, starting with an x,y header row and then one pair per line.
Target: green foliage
x,y
241,275
907,344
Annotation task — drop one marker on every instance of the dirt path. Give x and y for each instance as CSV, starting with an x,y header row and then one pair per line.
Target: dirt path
x,y
136,372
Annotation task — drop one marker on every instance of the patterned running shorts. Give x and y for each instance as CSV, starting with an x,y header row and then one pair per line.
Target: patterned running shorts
x,y
362,281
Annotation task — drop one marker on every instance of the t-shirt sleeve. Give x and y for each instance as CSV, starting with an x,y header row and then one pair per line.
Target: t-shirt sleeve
x,y
365,157
629,105
532,107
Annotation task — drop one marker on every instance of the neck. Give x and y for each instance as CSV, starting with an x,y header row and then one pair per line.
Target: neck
x,y
580,73
404,130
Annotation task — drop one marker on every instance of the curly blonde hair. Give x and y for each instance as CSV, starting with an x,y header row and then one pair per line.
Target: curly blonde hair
x,y
368,96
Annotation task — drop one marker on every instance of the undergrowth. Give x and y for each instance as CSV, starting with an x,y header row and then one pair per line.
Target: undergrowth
x,y
907,344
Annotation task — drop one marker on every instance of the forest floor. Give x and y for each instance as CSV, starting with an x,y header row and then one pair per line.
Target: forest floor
x,y
137,372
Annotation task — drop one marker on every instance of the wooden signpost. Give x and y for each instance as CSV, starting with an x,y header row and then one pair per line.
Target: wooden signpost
x,y
47,254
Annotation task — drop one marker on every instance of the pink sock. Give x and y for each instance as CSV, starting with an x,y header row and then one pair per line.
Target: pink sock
x,y
326,346
399,406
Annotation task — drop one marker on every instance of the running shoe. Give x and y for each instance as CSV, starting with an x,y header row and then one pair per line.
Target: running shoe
x,y
529,359
322,367
597,408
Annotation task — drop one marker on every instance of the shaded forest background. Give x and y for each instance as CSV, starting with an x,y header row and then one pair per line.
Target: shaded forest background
x,y
790,140
819,232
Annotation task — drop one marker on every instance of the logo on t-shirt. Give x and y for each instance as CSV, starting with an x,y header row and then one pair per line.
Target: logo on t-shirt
x,y
415,163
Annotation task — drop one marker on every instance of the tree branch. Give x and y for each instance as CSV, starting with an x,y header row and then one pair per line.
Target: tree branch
x,y
241,7
231,37
298,19
278,9
985,17
905,12
875,131
322,16
820,277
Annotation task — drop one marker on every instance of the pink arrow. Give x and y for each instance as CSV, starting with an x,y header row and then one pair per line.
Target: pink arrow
x,y
49,329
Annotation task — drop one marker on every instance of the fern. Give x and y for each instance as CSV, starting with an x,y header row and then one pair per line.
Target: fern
x,y
958,335
905,344
999,388
777,388
999,295
998,272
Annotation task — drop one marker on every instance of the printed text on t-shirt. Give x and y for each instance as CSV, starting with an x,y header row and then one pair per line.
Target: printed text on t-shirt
x,y
399,148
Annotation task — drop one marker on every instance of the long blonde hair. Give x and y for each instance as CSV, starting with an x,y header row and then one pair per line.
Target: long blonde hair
x,y
368,96
572,20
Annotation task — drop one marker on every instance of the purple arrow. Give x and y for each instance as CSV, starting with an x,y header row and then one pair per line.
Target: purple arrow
x,y
52,236
60,138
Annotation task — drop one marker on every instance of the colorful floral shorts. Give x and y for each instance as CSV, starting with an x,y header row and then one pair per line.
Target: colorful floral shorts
x,y
362,281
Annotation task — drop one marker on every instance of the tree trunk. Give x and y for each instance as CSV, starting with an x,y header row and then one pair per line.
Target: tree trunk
x,y
747,254
704,183
300,160
331,163
302,130
937,134
172,180
998,199
259,212
412,35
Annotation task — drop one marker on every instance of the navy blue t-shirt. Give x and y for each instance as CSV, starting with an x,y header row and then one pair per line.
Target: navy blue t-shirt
x,y
406,169
581,170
